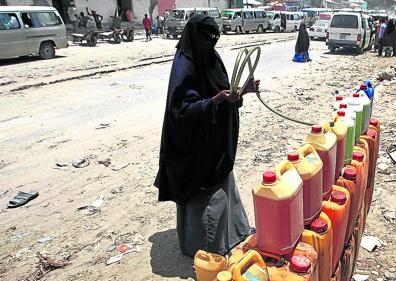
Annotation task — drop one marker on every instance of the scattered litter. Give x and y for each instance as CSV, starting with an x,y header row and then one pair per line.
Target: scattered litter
x,y
18,236
115,259
45,239
98,202
390,275
121,167
390,216
47,264
385,76
360,277
3,192
105,162
103,126
370,243
81,163
128,248
61,165
111,248
391,151
22,198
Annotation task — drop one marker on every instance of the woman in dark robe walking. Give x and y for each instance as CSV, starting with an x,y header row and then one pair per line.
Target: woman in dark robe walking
x,y
302,45
390,39
199,143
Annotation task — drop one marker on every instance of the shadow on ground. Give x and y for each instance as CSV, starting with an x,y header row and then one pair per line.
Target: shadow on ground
x,y
166,258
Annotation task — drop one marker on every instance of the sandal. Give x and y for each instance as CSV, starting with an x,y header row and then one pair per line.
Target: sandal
x,y
391,151
21,199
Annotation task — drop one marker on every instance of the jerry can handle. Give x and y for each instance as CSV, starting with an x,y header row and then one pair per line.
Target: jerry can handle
x,y
203,255
307,149
251,257
326,127
282,168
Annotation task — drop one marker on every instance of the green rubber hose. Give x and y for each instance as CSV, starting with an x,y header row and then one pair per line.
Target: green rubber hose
x,y
237,74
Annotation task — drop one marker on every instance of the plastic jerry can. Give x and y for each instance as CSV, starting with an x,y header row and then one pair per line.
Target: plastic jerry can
x,y
368,88
250,267
347,260
366,102
348,181
360,162
338,100
320,236
302,265
375,124
338,127
309,166
350,137
358,234
278,208
337,209
207,265
325,144
355,105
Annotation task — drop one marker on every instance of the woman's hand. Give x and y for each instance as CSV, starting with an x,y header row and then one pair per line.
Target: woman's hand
x,y
225,96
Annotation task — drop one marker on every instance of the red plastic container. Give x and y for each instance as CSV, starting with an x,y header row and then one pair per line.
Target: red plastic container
x,y
278,208
360,162
309,166
348,181
325,144
337,209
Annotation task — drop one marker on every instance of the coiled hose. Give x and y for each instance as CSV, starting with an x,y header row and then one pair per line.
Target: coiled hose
x,y
237,74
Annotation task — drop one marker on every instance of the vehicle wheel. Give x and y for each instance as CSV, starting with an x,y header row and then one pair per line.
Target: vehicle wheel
x,y
224,31
117,38
167,36
277,29
130,37
332,49
92,41
260,29
174,36
311,37
295,28
359,50
247,31
238,30
47,50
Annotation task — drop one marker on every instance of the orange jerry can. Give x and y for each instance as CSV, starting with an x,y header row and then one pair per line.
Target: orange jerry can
x,y
325,144
348,181
250,267
337,209
372,139
340,129
360,162
358,234
320,236
309,166
278,209
207,265
347,260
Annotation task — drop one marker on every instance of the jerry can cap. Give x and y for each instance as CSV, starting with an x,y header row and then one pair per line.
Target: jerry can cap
x,y
300,264
338,197
358,156
371,133
349,174
341,113
338,98
269,177
224,276
319,226
363,87
356,95
374,122
316,129
293,156
343,105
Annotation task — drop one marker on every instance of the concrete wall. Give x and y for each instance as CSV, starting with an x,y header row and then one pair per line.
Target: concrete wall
x,y
105,8
221,4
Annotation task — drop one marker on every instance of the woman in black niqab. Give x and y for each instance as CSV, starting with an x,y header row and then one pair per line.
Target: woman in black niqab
x,y
198,145
302,45
390,38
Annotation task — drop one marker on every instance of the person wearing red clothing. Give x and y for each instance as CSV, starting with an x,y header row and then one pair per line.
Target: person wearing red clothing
x,y
147,27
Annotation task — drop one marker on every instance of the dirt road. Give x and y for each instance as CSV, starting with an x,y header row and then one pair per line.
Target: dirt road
x,y
116,117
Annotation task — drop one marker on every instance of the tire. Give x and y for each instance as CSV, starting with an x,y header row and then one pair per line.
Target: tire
x,y
277,29
247,31
295,28
332,49
174,36
224,31
92,41
311,37
117,38
260,29
359,50
238,30
130,37
47,50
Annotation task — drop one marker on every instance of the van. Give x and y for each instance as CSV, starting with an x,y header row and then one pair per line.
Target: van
x,y
284,21
349,30
176,19
31,30
244,20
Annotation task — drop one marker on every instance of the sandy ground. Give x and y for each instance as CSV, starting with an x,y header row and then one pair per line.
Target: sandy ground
x,y
45,122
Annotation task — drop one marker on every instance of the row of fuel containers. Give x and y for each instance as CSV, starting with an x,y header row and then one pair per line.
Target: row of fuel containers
x,y
310,209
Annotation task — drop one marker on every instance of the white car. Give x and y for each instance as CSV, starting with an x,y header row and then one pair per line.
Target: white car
x,y
319,29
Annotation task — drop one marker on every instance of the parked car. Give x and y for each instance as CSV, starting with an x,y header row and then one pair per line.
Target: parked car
x,y
318,29
284,21
31,30
244,20
350,30
176,19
